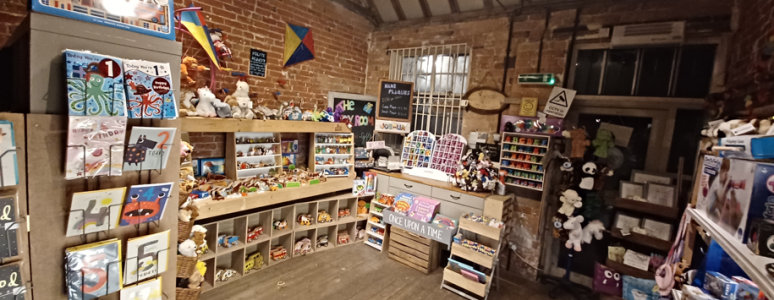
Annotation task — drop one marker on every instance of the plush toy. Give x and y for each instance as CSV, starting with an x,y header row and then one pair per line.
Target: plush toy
x,y
240,103
579,142
188,213
263,112
198,235
304,219
187,248
361,207
593,229
206,106
603,141
186,104
222,109
189,71
216,35
589,171
570,200
195,280
575,236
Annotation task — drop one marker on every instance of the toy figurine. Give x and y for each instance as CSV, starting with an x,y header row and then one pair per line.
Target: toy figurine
x,y
187,248
254,233
278,253
303,246
570,200
323,217
361,207
189,71
344,212
198,235
589,171
322,241
228,241
579,141
343,237
257,260
304,219
280,224
602,142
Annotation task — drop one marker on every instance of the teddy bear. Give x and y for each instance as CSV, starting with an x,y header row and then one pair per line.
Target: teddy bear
x,y
206,106
187,107
198,235
595,229
189,71
241,105
570,200
188,213
579,141
589,171
187,248
361,207
575,235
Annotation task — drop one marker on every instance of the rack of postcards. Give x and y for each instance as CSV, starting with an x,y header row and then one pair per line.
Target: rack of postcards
x,y
333,154
522,159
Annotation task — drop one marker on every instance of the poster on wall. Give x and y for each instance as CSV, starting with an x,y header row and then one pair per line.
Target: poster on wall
x,y
360,110
559,102
257,63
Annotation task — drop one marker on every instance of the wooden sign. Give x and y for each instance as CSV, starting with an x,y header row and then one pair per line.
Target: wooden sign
x,y
423,229
257,63
395,100
360,111
529,107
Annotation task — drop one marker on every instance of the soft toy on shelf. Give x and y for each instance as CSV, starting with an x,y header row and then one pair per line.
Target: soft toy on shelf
x,y
241,105
187,248
589,171
361,207
198,235
575,235
579,143
593,229
189,71
187,108
570,200
206,106
216,35
602,142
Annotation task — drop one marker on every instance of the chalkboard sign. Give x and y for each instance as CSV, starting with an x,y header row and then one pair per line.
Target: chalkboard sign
x,y
257,63
360,111
395,100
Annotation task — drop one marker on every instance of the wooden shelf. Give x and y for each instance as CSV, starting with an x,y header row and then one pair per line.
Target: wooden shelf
x,y
523,186
473,256
475,287
223,250
525,145
378,247
627,270
198,124
481,229
646,208
376,225
642,240
518,169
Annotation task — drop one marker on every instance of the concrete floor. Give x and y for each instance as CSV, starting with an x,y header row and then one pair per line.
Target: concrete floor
x,y
355,272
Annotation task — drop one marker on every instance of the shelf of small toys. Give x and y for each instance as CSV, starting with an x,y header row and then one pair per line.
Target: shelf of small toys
x,y
256,257
332,154
303,242
252,154
229,267
521,159
199,124
304,216
282,220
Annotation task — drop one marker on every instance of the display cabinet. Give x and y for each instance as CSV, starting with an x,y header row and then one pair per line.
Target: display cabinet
x,y
522,160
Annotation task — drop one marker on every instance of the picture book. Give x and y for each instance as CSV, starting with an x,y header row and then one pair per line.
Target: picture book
x,y
148,148
14,288
423,209
148,290
215,166
149,90
146,257
9,170
95,146
9,237
93,270
95,211
95,84
145,203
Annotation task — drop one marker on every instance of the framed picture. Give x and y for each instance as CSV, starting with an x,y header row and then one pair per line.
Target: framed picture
x,y
196,169
643,177
626,222
660,194
656,229
212,165
632,190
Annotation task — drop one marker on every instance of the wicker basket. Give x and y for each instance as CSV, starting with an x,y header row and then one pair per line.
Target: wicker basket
x,y
187,294
186,266
184,230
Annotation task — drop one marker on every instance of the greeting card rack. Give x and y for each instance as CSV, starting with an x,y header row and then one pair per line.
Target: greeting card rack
x,y
162,150
522,159
84,215
417,149
154,264
107,279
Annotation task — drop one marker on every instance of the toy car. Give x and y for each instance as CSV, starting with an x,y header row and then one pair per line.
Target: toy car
x,y
323,217
278,253
254,233
228,241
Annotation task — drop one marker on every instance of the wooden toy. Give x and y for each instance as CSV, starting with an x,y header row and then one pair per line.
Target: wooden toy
x,y
254,233
304,219
344,212
323,217
278,253
280,224
343,237
322,241
228,241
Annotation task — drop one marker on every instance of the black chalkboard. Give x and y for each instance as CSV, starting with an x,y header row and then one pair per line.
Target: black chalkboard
x,y
257,62
360,114
394,101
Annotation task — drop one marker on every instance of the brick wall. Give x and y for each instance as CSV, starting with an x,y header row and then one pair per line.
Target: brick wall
x,y
748,72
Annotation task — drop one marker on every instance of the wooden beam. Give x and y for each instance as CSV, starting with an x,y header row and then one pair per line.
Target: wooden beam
x,y
374,12
425,8
455,7
488,4
362,11
398,10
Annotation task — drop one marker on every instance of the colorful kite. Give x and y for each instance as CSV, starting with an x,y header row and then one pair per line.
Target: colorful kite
x,y
193,21
299,45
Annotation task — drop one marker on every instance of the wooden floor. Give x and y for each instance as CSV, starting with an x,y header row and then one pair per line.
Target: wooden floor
x,y
354,272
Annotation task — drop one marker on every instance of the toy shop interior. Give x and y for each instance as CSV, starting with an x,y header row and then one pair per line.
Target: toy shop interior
x,y
373,149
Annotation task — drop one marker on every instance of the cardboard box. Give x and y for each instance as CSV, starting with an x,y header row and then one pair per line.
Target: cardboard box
x,y
747,290
720,286
750,146
761,237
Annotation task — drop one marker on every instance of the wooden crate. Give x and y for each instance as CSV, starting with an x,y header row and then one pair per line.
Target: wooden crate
x,y
412,250
498,207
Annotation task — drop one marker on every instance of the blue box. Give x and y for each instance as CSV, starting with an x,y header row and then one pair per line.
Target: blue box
x,y
750,146
720,286
145,17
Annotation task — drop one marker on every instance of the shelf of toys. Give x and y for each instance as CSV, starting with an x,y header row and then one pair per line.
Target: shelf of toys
x,y
200,124
332,154
244,245
521,159
254,154
376,230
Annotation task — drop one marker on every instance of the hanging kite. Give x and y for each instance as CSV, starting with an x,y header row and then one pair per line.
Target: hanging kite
x,y
299,45
193,21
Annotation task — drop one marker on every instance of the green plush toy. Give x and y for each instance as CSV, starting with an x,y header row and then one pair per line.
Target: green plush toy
x,y
603,142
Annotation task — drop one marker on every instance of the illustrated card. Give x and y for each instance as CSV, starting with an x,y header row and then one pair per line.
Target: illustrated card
x,y
95,146
95,211
146,257
148,290
145,203
149,90
148,148
9,170
95,84
93,270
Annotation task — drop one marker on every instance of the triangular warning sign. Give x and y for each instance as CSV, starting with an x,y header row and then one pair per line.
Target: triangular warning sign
x,y
560,99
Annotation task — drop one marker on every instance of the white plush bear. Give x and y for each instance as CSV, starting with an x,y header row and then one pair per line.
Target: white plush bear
x,y
241,97
187,248
573,224
206,107
570,200
595,229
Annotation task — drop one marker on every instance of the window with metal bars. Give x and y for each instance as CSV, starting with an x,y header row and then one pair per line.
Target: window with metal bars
x,y
440,77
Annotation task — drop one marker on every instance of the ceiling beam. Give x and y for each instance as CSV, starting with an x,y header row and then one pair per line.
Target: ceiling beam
x,y
398,10
488,4
374,12
425,8
362,11
455,7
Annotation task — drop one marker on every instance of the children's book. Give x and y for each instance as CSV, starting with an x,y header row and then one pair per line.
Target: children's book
x,y
145,203
9,237
95,146
149,91
148,148
95,84
13,288
93,270
9,171
146,257
95,211
423,209
148,290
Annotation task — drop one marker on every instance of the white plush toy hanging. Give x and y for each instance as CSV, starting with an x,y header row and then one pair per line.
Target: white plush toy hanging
x,y
593,229
570,201
573,224
589,171
205,107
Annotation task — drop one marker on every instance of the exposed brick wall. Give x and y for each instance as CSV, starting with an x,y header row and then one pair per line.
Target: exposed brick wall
x,y
207,144
748,73
12,12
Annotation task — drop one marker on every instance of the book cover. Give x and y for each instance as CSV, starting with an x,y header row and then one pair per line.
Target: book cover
x,y
148,290
216,166
95,211
9,237
95,146
145,203
148,148
93,270
149,90
146,257
13,287
9,170
95,84
423,209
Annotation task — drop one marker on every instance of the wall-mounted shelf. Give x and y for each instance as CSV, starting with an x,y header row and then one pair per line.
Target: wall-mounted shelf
x,y
521,159
646,208
642,240
332,154
198,124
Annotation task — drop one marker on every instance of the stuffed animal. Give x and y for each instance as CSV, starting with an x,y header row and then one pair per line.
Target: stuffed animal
x,y
189,71
186,104
593,229
198,235
570,200
222,109
188,213
216,35
575,235
187,248
206,106
579,142
589,171
240,103
195,280
361,207
603,141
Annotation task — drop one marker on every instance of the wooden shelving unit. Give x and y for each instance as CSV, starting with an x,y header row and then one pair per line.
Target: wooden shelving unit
x,y
642,240
521,159
332,151
646,208
198,124
376,231
246,149
627,270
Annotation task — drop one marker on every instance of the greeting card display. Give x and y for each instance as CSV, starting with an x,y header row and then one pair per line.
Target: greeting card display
x,y
145,203
146,257
13,288
149,90
148,290
95,211
95,84
148,148
9,243
95,146
93,270
417,149
9,171
447,153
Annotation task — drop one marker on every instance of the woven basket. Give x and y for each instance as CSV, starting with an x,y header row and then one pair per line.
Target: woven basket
x,y
183,230
187,294
185,266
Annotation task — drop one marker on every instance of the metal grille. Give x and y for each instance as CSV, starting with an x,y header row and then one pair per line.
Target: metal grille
x,y
440,77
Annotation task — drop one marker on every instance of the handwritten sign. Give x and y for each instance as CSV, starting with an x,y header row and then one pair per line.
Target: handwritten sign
x,y
427,230
360,111
9,246
395,100
11,282
257,63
